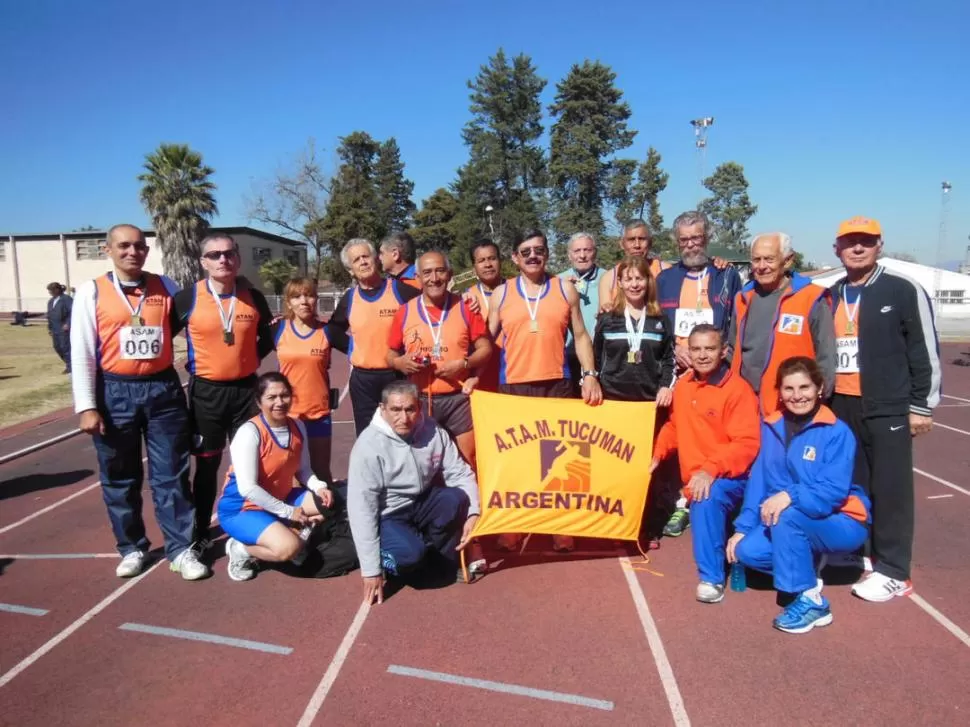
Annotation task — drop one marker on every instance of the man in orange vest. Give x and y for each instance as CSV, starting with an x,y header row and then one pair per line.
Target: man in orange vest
x,y
635,242
441,345
779,314
126,390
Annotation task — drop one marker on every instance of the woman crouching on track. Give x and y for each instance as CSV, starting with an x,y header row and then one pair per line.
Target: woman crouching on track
x,y
800,502
303,351
261,510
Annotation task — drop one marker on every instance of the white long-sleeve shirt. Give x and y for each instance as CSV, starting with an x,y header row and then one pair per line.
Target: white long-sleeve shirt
x,y
84,342
244,452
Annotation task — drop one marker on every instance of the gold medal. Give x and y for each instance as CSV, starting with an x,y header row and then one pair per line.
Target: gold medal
x,y
136,321
533,326
228,338
632,357
850,328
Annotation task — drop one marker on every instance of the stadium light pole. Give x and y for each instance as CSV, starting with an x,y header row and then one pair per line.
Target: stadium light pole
x,y
701,127
941,244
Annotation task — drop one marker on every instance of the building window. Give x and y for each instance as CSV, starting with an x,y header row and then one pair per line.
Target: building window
x,y
3,251
91,249
261,255
292,257
950,296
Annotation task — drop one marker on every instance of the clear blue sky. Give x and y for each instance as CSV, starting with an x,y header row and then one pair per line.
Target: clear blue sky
x,y
834,107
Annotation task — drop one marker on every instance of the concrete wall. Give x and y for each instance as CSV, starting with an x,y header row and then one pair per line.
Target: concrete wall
x,y
56,259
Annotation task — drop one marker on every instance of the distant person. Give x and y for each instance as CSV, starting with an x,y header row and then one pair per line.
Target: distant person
x,y
397,255
800,501
779,314
886,386
271,491
411,498
487,264
59,323
126,392
635,242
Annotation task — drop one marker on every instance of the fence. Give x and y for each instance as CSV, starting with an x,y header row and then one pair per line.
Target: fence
x,y
326,302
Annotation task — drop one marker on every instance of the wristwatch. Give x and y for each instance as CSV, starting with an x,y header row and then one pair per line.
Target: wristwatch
x,y
584,374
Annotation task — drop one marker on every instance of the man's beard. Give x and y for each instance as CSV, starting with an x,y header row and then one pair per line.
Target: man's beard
x,y
695,260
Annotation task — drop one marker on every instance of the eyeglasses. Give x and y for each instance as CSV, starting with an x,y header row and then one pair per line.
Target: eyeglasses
x,y
216,254
529,251
692,239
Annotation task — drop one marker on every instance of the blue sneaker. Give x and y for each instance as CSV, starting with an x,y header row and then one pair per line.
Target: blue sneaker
x,y
388,563
803,615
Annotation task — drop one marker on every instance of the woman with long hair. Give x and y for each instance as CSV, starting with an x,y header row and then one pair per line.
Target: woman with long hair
x,y
303,352
800,501
632,344
261,509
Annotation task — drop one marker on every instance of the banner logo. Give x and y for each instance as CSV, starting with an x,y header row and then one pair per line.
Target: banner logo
x,y
564,466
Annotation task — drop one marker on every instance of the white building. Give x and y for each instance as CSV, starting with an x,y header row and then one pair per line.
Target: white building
x,y
28,263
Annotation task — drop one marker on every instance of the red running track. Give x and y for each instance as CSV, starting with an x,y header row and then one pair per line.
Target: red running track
x,y
608,643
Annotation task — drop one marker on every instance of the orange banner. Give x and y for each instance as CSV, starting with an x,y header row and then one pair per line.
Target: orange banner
x,y
560,467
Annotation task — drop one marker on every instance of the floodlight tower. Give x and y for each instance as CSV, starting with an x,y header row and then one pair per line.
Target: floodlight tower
x,y
488,214
701,127
941,244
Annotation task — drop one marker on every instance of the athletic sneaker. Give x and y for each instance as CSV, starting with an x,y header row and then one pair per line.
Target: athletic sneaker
x,y
188,565
849,560
131,565
242,566
710,592
803,615
879,588
678,523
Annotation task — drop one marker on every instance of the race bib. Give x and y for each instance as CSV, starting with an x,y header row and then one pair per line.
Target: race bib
x,y
848,351
143,343
686,318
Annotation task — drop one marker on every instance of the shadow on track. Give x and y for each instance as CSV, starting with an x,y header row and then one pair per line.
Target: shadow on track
x,y
26,484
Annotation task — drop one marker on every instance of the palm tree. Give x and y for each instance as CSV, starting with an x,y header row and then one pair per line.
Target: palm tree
x,y
177,193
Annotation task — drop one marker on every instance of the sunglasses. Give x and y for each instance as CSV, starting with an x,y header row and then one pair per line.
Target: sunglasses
x,y
529,251
216,254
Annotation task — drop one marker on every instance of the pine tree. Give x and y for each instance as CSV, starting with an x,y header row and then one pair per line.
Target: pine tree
x,y
728,208
393,190
435,226
590,128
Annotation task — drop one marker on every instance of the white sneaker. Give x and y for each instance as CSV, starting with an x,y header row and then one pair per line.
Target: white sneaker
x,y
241,564
131,565
188,565
710,592
879,588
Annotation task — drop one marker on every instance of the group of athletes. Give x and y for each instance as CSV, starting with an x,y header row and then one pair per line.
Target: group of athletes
x,y
785,410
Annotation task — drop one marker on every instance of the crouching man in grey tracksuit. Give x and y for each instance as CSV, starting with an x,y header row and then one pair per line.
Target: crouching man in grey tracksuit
x,y
408,490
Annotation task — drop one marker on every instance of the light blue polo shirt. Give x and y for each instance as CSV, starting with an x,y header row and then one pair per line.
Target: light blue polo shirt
x,y
589,298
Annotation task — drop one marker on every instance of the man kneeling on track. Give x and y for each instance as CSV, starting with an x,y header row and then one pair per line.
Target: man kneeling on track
x,y
714,427
408,490
800,502
261,510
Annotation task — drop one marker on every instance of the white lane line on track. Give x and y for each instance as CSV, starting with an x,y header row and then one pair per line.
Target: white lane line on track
x,y
330,676
24,610
956,398
941,481
941,619
952,429
207,638
54,505
939,497
98,608
503,687
664,669
58,556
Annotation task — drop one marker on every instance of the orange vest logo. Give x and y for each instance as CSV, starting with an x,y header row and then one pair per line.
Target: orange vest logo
x,y
791,323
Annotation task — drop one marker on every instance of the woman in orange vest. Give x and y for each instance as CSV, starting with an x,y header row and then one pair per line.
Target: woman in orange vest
x,y
261,509
800,501
303,352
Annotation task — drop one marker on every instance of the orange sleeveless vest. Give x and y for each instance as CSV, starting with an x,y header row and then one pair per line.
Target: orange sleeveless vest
x,y
305,361
210,357
370,320
120,352
533,354
278,466
454,340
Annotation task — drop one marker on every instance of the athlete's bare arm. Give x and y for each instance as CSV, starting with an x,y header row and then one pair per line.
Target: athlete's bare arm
x,y
592,394
494,326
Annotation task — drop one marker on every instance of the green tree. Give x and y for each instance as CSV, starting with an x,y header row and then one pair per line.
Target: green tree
x,y
435,226
590,128
728,208
352,210
506,168
393,190
178,195
643,201
277,273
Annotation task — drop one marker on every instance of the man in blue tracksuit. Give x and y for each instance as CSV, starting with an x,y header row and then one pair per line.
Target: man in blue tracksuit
x,y
807,463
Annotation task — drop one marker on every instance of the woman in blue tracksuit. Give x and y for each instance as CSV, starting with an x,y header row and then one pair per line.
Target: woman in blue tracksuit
x,y
800,501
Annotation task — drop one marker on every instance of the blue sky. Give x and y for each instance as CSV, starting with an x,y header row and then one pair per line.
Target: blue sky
x,y
834,108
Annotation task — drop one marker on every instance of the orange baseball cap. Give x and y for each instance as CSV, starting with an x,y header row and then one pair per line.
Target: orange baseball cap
x,y
860,224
